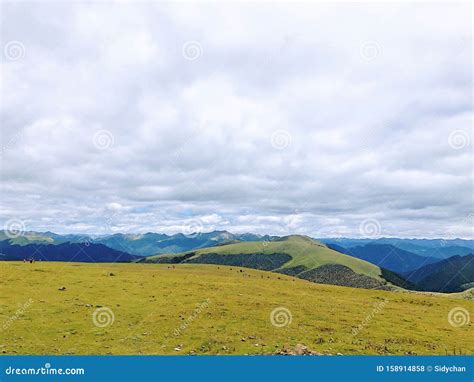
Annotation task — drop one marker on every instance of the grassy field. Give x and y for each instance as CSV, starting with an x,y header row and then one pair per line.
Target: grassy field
x,y
303,250
67,308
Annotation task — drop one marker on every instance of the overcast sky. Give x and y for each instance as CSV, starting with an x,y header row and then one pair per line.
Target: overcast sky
x,y
327,120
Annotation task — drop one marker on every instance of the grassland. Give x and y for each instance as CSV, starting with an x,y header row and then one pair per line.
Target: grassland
x,y
303,250
48,308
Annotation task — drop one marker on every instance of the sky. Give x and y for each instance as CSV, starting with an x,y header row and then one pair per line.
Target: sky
x,y
287,118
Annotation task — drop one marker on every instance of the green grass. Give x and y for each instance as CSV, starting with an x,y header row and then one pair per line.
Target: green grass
x,y
303,250
150,302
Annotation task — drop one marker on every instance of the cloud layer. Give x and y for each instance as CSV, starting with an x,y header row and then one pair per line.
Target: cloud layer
x,y
327,120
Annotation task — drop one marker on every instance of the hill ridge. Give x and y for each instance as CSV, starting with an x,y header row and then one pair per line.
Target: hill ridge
x,y
295,255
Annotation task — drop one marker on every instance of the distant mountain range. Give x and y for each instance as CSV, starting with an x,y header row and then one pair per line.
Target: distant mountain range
x,y
451,275
78,252
154,243
439,248
421,264
150,243
387,256
146,244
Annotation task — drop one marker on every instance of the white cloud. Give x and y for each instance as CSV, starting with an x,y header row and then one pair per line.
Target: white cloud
x,y
364,98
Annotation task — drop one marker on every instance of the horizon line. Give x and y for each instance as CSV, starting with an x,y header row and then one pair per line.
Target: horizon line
x,y
242,233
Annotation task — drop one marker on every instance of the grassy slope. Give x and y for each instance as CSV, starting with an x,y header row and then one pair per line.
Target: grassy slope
x,y
151,301
304,251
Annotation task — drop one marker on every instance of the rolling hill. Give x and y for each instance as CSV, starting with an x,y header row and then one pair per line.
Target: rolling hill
x,y
296,255
140,309
451,275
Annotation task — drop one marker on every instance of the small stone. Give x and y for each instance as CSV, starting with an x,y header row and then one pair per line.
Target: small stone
x,y
301,349
62,288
